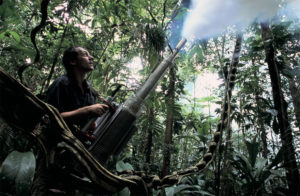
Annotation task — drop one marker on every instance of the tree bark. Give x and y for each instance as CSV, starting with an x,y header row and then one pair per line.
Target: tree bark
x,y
260,121
148,137
169,125
292,173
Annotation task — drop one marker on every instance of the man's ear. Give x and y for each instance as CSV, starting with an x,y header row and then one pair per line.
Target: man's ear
x,y
72,62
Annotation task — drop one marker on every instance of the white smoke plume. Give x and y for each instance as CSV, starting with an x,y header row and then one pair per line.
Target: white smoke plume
x,y
292,9
209,18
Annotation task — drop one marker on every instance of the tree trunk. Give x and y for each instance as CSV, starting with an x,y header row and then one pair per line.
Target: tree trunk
x,y
148,137
169,125
260,121
292,173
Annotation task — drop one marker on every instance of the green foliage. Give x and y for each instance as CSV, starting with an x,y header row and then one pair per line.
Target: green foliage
x,y
121,166
183,190
115,32
124,192
155,37
191,185
254,172
252,148
17,172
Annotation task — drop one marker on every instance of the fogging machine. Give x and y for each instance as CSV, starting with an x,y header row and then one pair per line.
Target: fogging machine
x,y
114,128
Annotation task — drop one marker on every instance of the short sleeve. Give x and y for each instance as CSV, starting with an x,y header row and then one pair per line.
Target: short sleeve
x,y
55,95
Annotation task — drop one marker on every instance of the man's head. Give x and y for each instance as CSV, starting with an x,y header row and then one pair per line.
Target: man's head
x,y
77,58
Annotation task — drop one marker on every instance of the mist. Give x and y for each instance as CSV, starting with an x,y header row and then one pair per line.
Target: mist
x,y
209,18
292,10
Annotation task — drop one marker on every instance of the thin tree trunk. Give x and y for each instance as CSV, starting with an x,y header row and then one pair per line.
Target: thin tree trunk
x,y
292,173
169,125
148,137
217,170
47,82
260,121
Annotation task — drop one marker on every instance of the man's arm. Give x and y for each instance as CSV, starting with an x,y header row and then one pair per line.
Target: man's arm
x,y
93,110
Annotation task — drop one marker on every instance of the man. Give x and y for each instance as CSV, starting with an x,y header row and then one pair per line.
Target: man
x,y
73,96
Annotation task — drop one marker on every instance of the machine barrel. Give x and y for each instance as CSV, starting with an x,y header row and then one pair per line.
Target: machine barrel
x,y
114,132
153,79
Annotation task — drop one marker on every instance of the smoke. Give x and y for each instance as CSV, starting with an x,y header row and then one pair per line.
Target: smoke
x,y
209,18
292,9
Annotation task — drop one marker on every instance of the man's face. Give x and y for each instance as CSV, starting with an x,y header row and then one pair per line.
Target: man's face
x,y
84,61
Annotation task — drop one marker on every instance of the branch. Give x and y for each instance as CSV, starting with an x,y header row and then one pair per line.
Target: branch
x,y
34,117
164,16
153,18
47,82
104,50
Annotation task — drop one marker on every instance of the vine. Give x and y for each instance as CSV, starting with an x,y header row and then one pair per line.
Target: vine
x,y
44,6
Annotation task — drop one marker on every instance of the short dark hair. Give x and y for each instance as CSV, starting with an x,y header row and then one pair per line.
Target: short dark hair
x,y
69,54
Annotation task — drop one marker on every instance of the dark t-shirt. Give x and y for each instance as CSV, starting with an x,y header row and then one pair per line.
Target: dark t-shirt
x,y
66,95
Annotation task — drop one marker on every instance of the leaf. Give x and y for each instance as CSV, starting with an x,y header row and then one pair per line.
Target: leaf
x,y
2,35
272,111
253,151
207,99
260,166
123,192
243,164
15,36
121,166
170,191
200,192
20,49
276,172
181,187
160,192
18,170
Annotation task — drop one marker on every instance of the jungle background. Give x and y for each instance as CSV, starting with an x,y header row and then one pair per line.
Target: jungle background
x,y
259,152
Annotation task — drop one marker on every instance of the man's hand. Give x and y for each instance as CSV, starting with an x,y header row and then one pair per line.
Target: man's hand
x,y
97,109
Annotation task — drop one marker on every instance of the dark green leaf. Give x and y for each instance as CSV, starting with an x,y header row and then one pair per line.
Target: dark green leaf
x,y
121,166
17,170
253,151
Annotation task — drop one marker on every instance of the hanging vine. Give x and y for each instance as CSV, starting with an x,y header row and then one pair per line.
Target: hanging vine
x,y
44,6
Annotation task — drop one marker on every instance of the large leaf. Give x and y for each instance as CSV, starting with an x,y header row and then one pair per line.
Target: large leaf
x,y
170,191
260,166
199,192
15,36
243,164
121,166
252,148
124,192
17,171
181,187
